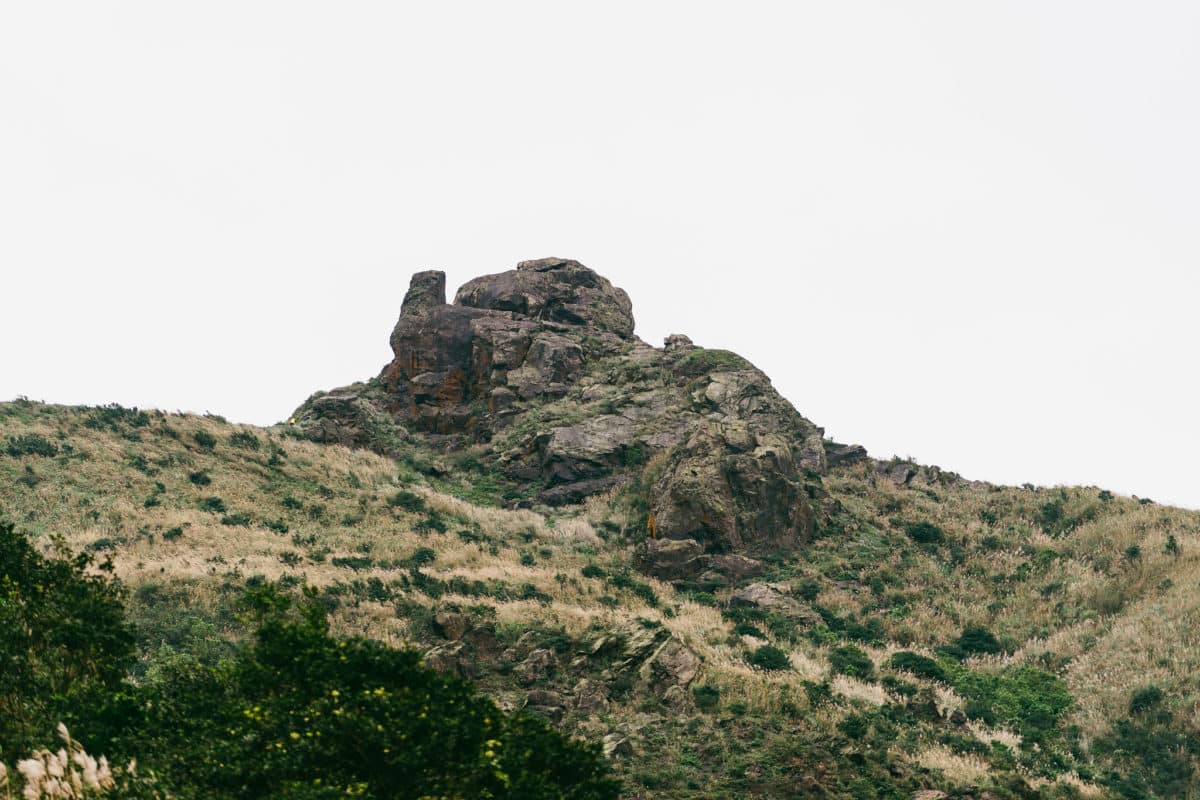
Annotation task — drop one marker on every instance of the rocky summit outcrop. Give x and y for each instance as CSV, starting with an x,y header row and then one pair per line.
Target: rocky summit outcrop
x,y
538,370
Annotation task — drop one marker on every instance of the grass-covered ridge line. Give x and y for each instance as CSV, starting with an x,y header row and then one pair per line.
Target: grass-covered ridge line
x,y
948,635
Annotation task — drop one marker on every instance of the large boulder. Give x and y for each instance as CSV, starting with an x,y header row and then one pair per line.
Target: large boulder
x,y
556,290
671,559
732,489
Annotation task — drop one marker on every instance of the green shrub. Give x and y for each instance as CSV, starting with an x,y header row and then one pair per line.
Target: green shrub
x,y
65,646
592,571
1050,516
238,519
623,580
434,523
200,477
171,534
850,660
1145,699
1157,759
706,697
748,629
409,501
31,444
422,556
300,714
854,726
808,590
925,533
214,504
701,362
205,439
355,563
114,416
244,440
769,657
978,641
292,503
919,665
1027,699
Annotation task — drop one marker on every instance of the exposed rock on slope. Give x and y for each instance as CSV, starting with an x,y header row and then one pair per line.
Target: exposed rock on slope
x,y
540,366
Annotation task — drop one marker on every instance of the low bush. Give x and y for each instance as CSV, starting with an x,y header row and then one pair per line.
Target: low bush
x,y
214,504
978,641
1027,699
1145,699
769,657
244,440
850,660
919,665
409,501
706,697
31,444
925,533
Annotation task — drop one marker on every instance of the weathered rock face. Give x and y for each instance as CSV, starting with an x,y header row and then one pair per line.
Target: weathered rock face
x,y
554,290
540,366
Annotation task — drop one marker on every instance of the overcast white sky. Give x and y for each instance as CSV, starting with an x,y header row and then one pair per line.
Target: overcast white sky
x,y
961,231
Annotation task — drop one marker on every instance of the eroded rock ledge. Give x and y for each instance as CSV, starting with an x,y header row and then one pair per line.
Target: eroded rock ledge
x,y
538,368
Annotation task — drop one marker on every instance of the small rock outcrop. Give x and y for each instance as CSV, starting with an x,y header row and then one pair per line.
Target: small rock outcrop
x,y
540,369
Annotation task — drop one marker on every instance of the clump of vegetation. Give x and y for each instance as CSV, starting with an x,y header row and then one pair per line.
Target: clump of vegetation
x,y
769,657
406,500
1144,699
919,665
31,444
978,641
66,645
205,439
200,477
925,533
214,504
1028,700
244,440
701,361
295,713
850,660
706,697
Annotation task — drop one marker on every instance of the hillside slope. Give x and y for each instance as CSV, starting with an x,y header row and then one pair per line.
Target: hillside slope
x,y
1090,598
652,549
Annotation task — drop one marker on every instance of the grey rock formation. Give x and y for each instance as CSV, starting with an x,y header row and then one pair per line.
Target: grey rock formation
x,y
539,367
764,596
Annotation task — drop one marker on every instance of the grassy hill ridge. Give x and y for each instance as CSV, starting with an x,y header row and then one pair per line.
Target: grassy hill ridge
x,y
937,635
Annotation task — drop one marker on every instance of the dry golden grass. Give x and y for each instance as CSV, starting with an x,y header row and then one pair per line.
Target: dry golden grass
x,y
854,689
958,769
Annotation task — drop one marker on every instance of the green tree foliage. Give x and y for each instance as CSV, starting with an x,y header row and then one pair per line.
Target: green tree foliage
x,y
1027,699
296,713
65,643
300,714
